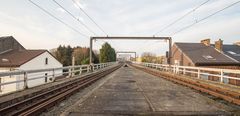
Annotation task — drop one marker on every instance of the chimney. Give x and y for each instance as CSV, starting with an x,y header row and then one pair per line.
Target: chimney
x,y
206,42
219,45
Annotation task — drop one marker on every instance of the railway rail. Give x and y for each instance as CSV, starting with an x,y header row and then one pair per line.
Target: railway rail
x,y
36,104
223,93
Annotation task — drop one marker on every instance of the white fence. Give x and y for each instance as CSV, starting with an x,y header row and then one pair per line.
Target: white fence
x,y
29,78
222,75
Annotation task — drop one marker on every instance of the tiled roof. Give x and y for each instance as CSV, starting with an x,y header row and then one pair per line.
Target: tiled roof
x,y
232,51
201,54
8,43
17,58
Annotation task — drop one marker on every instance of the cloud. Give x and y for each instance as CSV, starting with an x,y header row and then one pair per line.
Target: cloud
x,y
37,34
121,18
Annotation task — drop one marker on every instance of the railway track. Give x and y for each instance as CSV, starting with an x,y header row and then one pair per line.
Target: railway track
x,y
34,105
223,93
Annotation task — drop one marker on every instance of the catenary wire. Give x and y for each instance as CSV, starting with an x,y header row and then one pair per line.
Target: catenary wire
x,y
44,10
89,17
74,17
180,18
209,16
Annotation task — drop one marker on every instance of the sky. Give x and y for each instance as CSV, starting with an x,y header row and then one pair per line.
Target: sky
x,y
35,29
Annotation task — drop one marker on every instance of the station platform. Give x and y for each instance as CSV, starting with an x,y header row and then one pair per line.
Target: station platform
x,y
134,92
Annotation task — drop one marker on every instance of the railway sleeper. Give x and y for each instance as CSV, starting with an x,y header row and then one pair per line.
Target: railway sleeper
x,y
29,101
209,89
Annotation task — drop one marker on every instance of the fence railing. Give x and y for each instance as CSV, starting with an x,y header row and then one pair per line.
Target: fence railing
x,y
22,79
228,76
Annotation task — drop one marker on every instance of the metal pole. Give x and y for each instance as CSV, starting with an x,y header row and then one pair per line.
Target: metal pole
x,y
53,75
90,59
135,56
170,50
136,37
73,64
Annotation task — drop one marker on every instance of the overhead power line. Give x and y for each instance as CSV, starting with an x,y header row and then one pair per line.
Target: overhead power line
x,y
180,18
205,18
89,17
209,16
74,17
57,18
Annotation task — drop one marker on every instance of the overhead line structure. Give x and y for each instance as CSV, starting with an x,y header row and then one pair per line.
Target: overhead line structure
x,y
134,38
180,18
206,17
135,53
74,17
89,17
44,10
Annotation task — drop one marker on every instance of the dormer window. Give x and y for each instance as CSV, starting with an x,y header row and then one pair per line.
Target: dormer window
x,y
46,61
233,53
208,57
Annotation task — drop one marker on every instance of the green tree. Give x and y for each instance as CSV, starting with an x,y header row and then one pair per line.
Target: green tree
x,y
85,61
149,57
64,55
81,55
107,53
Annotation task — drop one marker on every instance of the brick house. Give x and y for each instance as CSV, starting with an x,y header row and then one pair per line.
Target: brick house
x,y
205,54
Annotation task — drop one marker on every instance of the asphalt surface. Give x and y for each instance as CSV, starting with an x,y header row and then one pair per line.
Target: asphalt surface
x,y
133,92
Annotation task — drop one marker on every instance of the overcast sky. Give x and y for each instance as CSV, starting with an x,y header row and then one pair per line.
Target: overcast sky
x,y
35,29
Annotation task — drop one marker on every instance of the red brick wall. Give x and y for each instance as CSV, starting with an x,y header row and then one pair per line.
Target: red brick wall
x,y
231,81
178,55
224,67
184,61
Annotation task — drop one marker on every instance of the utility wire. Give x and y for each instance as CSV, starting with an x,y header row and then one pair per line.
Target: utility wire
x,y
57,18
89,17
188,13
205,18
74,1
74,17
209,16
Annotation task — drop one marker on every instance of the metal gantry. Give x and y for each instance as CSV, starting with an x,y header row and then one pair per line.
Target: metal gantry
x,y
169,39
128,52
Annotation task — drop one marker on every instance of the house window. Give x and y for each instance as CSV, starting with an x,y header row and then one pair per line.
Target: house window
x,y
233,53
46,61
208,57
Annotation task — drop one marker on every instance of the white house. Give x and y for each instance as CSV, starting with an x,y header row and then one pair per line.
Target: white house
x,y
13,56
